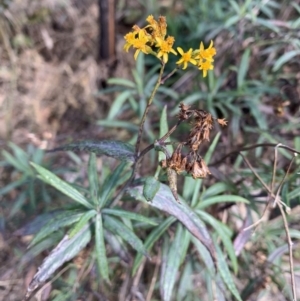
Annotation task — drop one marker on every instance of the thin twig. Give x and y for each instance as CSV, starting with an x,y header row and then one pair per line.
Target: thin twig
x,y
141,128
154,278
267,188
286,227
169,75
252,147
280,206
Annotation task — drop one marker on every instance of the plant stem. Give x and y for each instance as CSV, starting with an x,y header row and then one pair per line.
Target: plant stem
x,y
169,75
137,146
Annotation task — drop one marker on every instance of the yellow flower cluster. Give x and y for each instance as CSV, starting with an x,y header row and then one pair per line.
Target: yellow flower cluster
x,y
153,39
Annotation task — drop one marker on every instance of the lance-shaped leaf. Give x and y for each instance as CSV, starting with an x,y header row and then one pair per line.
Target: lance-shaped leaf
x,y
226,275
129,215
164,201
111,183
53,180
58,221
125,233
100,248
65,250
173,262
93,178
43,220
112,148
152,237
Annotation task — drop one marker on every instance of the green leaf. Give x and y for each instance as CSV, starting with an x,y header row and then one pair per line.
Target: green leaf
x,y
284,59
119,124
128,215
50,178
294,193
150,189
164,201
110,184
173,262
221,199
206,257
118,103
18,203
93,178
13,185
59,220
215,189
125,233
111,148
163,129
121,82
40,221
186,281
225,273
224,234
20,166
64,251
151,239
100,249
243,68
84,219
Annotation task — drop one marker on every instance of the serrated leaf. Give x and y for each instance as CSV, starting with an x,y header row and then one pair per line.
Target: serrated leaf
x,y
225,273
172,264
53,180
151,239
93,178
65,250
128,215
164,201
100,248
125,233
58,221
84,219
150,189
112,148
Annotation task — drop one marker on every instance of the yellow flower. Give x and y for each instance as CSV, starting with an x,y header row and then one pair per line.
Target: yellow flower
x,y
165,47
140,44
186,57
205,66
130,39
207,54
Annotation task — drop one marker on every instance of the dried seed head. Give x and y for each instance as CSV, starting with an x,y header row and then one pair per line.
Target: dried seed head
x,y
184,113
